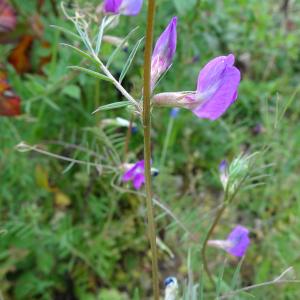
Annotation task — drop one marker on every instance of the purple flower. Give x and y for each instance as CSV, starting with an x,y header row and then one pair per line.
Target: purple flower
x,y
123,7
217,89
164,51
136,174
239,241
236,243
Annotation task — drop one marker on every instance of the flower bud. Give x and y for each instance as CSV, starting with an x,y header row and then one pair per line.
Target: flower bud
x,y
232,175
223,170
164,52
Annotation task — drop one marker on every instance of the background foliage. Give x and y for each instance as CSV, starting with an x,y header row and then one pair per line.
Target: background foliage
x,y
68,233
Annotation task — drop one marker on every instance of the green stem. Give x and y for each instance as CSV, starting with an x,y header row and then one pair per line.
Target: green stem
x,y
210,232
147,144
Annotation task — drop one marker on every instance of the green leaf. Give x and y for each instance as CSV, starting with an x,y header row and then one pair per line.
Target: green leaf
x,y
115,52
236,274
51,103
80,52
112,106
66,31
130,59
72,91
92,73
100,36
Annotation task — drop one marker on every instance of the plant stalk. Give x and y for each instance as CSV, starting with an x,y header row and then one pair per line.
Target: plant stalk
x,y
147,144
210,232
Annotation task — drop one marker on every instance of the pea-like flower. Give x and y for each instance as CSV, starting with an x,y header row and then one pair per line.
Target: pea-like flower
x,y
123,7
217,90
236,243
136,174
164,52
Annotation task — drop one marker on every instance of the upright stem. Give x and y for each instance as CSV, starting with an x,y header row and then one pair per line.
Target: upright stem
x,y
210,232
147,144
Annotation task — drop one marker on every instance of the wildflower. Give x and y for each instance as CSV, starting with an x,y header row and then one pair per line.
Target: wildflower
x,y
136,174
123,7
217,89
171,288
164,51
236,243
174,112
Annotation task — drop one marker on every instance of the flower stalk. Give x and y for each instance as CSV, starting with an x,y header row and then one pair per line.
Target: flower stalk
x,y
147,144
209,234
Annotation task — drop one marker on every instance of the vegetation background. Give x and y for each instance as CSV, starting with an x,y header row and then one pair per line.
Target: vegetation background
x,y
68,233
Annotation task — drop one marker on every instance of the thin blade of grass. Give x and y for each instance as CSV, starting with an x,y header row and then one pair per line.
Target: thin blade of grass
x,y
129,60
236,274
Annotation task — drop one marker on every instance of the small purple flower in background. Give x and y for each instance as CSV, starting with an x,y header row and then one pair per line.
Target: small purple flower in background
x,y
164,51
136,174
217,89
236,243
174,112
123,7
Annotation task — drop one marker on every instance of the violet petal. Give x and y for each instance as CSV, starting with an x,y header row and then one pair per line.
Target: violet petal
x,y
131,7
164,51
239,238
112,6
217,87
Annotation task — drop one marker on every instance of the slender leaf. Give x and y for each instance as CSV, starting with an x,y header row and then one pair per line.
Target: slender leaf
x,y
112,106
51,103
201,285
129,60
116,51
80,52
92,73
66,31
236,274
100,35
84,36
220,279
